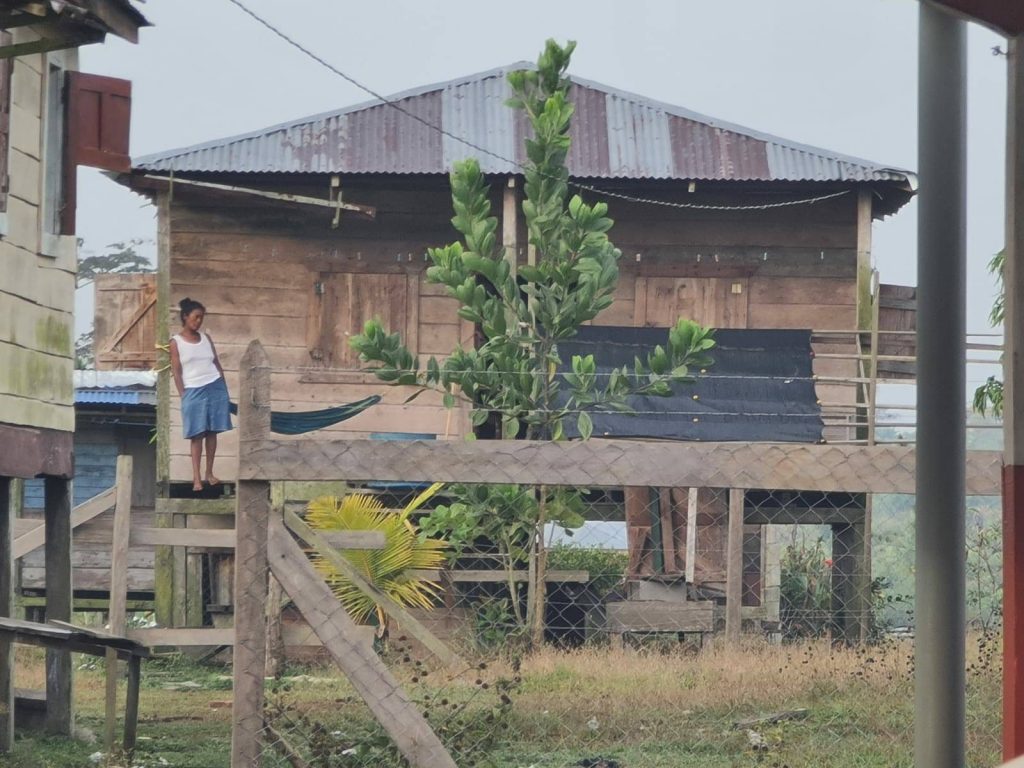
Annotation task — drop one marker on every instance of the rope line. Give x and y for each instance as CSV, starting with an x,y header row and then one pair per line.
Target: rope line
x,y
483,150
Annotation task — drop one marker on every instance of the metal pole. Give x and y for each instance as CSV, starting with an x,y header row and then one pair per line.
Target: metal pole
x,y
941,392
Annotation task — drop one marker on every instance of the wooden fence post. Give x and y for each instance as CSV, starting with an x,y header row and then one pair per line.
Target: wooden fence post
x,y
734,567
251,570
118,597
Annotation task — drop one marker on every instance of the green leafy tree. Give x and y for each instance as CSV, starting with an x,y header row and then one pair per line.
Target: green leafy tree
x,y
515,374
988,398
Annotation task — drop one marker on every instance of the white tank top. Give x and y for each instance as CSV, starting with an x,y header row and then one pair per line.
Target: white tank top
x,y
197,368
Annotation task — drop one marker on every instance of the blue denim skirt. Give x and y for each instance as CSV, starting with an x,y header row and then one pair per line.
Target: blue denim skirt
x,y
205,409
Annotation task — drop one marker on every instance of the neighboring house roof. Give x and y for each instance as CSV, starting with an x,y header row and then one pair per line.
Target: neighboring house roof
x,y
616,135
115,388
61,17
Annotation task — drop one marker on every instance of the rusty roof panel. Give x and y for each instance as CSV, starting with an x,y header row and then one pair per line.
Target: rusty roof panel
x,y
384,140
589,130
615,135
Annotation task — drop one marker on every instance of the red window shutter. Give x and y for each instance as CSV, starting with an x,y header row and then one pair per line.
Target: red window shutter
x,y
99,120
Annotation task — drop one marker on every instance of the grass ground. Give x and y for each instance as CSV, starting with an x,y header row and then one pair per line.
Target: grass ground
x,y
643,709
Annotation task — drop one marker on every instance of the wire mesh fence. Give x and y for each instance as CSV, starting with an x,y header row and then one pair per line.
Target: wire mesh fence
x,y
596,629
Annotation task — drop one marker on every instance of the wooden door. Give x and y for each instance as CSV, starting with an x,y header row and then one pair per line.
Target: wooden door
x,y
716,302
341,305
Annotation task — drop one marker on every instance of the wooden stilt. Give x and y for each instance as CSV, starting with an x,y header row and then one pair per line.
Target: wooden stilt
x,y
6,610
57,513
734,567
117,614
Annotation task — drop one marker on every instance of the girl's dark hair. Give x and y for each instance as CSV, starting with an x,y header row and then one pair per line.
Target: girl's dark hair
x,y
188,306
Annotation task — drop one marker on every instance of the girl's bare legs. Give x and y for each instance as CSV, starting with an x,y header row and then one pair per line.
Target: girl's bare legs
x,y
211,454
197,452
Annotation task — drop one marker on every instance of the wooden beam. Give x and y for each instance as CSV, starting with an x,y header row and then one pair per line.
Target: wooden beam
x,y
59,41
182,637
6,610
734,567
30,452
372,680
607,463
195,506
117,613
660,616
251,567
59,673
356,539
366,210
184,537
342,565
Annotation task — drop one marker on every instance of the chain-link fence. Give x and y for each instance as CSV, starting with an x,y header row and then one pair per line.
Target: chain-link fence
x,y
631,654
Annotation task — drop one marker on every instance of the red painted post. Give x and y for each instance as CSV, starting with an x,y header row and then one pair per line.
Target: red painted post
x,y
1013,611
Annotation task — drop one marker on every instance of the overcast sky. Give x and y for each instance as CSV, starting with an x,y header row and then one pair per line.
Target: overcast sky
x,y
838,74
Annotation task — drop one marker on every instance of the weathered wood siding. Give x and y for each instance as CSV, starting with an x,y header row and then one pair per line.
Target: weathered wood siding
x,y
284,276
37,291
303,290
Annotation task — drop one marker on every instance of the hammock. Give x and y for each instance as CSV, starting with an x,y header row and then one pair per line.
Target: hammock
x,y
299,422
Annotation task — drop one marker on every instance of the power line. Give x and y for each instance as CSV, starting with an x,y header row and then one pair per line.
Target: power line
x,y
483,150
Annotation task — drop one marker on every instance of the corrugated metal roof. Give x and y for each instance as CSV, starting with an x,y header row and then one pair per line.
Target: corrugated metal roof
x,y
615,135
103,379
115,396
115,387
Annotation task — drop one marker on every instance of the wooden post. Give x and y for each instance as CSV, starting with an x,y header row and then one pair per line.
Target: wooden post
x,y
117,614
691,535
251,569
1013,428
6,610
849,601
734,567
510,224
57,515
668,531
131,704
275,596
163,559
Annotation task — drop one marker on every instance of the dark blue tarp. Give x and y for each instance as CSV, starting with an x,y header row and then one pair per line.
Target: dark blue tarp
x,y
758,389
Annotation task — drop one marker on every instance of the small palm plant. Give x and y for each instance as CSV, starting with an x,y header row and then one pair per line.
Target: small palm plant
x,y
391,569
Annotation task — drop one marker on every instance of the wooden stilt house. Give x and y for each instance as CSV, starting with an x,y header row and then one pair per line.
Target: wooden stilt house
x,y
298,233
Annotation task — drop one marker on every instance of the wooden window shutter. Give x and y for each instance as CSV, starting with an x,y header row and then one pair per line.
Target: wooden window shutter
x,y
98,123
5,121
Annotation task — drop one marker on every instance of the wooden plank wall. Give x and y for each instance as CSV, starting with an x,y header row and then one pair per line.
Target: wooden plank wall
x,y
38,289
90,556
285,288
280,274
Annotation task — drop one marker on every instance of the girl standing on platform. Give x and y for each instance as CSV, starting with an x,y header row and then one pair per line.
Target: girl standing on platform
x,y
204,394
